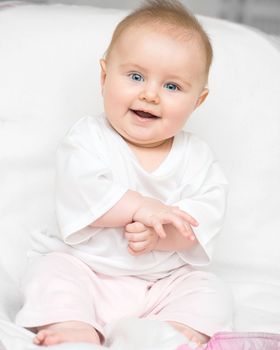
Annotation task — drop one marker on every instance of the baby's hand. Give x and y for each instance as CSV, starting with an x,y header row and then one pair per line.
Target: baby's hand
x,y
141,239
155,214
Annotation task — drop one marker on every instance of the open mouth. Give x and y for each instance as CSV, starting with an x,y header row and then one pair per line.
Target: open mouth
x,y
144,115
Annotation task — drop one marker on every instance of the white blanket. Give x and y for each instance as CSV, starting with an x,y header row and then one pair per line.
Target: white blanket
x,y
129,334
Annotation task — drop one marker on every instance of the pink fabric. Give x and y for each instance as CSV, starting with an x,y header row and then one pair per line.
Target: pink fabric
x,y
59,287
2,346
240,341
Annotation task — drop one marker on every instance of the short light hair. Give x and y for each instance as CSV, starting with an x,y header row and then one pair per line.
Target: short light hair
x,y
170,15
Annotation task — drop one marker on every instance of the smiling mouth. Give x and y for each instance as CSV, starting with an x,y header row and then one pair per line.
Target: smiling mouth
x,y
144,115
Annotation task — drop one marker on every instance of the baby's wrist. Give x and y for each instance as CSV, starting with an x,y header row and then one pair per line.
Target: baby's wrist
x,y
141,214
134,202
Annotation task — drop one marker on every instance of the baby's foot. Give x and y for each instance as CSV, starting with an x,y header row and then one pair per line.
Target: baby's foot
x,y
195,339
71,331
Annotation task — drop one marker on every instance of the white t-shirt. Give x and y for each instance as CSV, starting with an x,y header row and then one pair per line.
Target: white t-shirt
x,y
95,167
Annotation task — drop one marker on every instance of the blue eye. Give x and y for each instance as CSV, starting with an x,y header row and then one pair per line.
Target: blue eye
x,y
171,87
136,77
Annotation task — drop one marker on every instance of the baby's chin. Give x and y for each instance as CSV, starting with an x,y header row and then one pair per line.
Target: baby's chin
x,y
146,143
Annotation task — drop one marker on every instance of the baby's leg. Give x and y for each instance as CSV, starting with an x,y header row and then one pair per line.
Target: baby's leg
x,y
70,331
195,303
59,301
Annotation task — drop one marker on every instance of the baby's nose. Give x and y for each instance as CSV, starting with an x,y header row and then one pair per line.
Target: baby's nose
x,y
149,95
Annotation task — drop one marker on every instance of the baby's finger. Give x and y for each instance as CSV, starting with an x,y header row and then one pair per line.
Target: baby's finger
x,y
158,227
135,227
178,223
136,237
184,229
189,233
168,218
192,237
134,253
185,216
137,246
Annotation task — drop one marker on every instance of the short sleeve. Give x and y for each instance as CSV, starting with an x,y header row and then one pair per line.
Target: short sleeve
x,y
204,195
85,185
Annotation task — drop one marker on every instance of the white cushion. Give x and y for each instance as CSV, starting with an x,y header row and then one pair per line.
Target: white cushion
x,y
241,121
50,78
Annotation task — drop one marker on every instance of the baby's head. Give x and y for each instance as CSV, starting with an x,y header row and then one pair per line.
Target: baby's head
x,y
168,17
155,72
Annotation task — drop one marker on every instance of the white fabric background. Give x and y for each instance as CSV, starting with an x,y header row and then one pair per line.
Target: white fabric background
x,y
50,78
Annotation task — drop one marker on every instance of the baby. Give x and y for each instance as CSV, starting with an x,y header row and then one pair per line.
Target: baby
x,y
139,201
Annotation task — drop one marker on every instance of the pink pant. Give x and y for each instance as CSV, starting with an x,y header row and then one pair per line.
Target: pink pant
x,y
58,287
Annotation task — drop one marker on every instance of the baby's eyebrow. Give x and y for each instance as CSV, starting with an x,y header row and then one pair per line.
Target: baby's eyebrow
x,y
180,80
132,66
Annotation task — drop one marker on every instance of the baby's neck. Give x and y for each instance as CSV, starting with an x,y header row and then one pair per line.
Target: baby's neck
x,y
157,144
150,156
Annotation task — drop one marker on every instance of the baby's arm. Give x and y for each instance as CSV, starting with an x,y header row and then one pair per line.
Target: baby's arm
x,y
122,212
148,211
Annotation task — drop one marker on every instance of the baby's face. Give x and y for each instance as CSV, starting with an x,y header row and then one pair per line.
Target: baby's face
x,y
151,84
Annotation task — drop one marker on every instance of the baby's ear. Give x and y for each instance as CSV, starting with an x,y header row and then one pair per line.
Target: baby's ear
x,y
202,97
103,72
